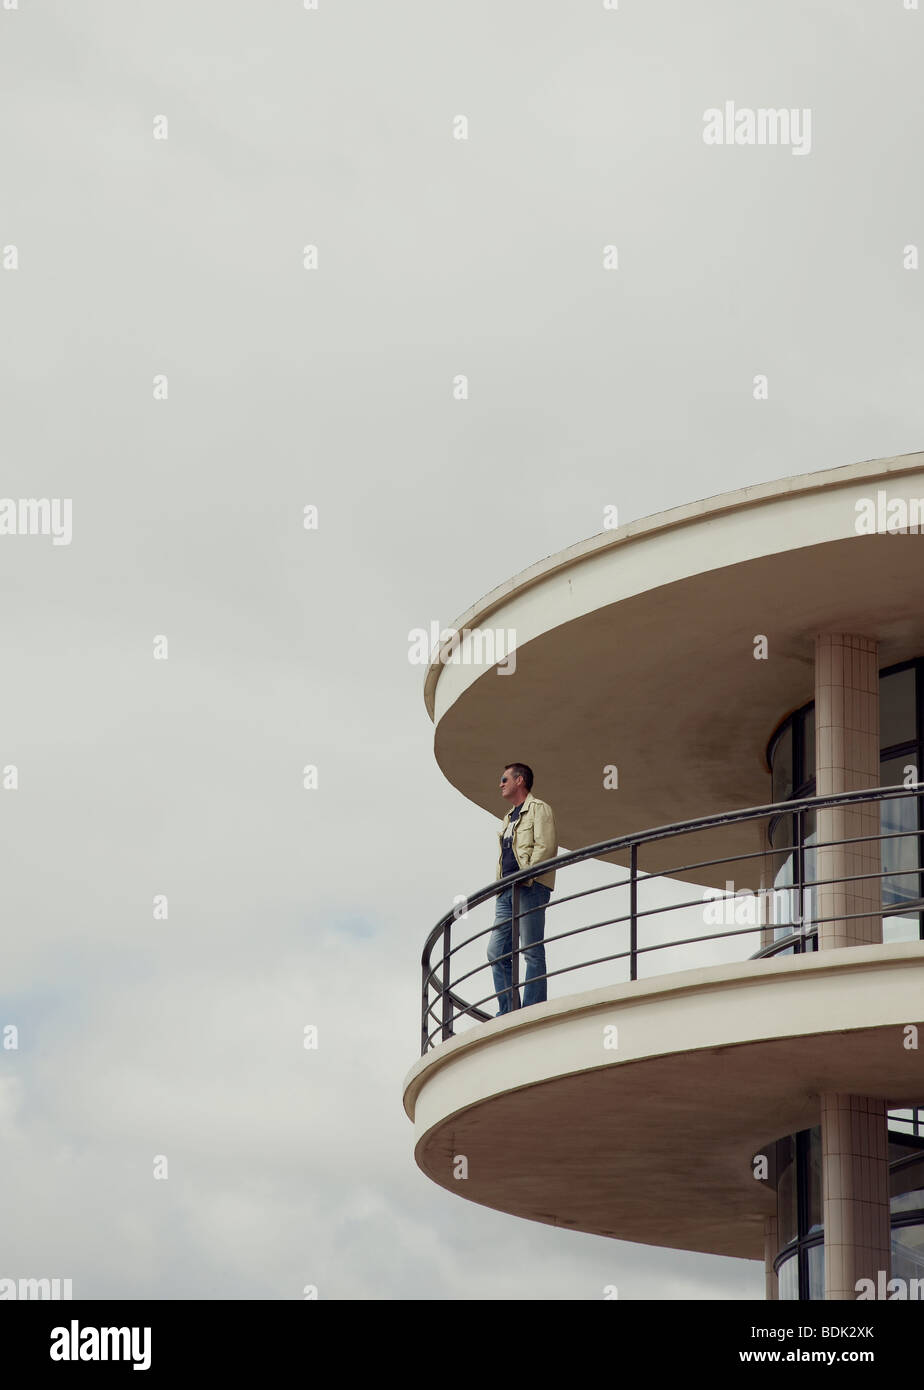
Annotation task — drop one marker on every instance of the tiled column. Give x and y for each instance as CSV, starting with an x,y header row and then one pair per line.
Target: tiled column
x,y
770,1249
855,1172
847,760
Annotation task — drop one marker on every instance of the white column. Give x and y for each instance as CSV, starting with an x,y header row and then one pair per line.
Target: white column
x,y
854,1135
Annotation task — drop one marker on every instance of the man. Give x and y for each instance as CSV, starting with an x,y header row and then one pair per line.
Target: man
x,y
527,836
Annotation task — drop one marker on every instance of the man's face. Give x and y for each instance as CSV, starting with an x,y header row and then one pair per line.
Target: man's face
x,y
510,786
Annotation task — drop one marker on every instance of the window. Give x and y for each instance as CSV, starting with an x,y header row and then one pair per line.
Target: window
x,y
791,755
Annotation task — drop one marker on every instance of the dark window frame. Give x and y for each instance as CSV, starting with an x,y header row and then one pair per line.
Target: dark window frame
x,y
805,1240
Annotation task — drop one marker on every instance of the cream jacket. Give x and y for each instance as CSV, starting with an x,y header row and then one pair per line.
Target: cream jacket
x,y
534,838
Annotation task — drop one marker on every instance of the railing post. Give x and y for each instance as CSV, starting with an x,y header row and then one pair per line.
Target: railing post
x,y
515,947
799,861
633,912
447,1000
424,1008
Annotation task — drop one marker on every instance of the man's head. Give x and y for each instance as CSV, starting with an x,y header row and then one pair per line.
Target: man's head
x,y
516,782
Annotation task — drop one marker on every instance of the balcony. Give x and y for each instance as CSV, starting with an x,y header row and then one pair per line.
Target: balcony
x,y
673,1049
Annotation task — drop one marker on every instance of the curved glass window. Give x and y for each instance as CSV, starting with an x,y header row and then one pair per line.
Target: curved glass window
x,y
909,1201
782,765
897,722
908,1250
791,757
814,1202
799,1212
816,1271
787,1219
900,856
800,1263
785,860
788,1279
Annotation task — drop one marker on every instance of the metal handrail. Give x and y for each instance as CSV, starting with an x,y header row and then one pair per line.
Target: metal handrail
x,y
436,969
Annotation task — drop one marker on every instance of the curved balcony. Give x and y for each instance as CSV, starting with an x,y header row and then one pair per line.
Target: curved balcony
x,y
709,1016
784,910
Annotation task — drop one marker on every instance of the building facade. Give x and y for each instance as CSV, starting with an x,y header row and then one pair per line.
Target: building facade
x,y
724,705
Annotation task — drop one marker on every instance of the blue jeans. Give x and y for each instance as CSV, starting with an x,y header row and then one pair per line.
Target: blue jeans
x,y
532,905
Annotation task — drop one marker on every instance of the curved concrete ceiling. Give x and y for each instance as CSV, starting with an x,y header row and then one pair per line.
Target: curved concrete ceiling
x,y
636,650
648,1142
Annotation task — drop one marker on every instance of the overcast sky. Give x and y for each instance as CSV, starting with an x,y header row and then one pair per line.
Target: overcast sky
x,y
138,258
